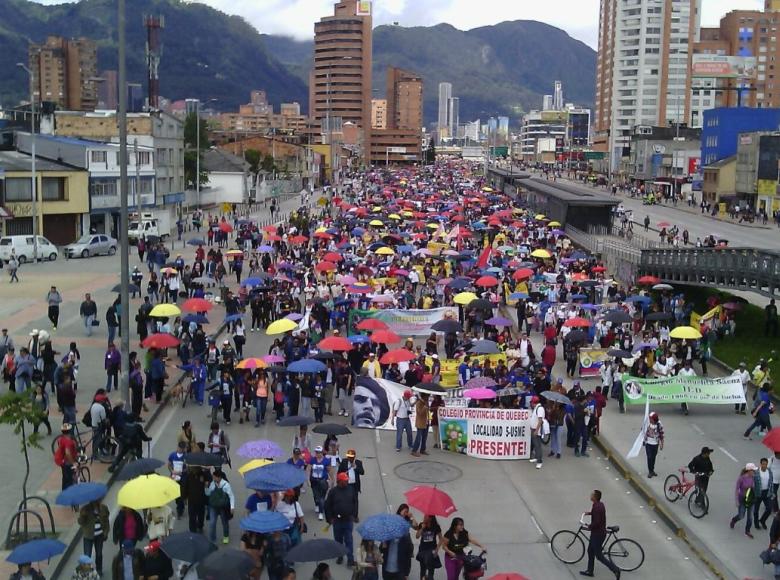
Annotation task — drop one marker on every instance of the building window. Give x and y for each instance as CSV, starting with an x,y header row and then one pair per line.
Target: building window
x,y
18,189
103,187
98,156
53,189
144,157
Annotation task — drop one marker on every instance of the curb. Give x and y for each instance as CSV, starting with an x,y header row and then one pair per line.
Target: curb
x,y
694,543
75,542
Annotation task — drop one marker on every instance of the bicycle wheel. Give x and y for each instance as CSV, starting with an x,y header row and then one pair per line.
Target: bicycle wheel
x,y
84,475
698,503
626,554
108,450
567,546
672,488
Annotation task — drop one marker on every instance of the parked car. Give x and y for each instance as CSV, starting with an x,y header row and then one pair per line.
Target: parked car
x,y
91,245
24,248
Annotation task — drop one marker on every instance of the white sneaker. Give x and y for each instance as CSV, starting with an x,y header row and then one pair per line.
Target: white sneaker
x,y
532,461
346,414
320,517
538,466
316,509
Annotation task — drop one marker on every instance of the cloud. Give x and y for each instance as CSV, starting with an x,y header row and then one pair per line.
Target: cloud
x,y
579,18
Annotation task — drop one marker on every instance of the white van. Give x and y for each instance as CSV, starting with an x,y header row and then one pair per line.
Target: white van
x,y
23,247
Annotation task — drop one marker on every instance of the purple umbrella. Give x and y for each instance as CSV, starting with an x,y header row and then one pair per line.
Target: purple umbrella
x,y
296,316
480,383
265,249
260,449
498,321
273,358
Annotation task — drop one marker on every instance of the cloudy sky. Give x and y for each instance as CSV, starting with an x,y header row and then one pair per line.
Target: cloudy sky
x,y
578,17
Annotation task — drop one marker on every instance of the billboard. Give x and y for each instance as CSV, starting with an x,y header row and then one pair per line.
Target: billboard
x,y
553,116
363,8
723,67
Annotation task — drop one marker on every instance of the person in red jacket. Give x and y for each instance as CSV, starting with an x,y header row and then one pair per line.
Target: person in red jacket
x,y
548,355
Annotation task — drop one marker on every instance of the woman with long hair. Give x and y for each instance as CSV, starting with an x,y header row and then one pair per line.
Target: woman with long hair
x,y
454,542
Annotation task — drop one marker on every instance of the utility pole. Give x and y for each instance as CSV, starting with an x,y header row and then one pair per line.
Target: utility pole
x,y
124,295
34,176
137,187
197,151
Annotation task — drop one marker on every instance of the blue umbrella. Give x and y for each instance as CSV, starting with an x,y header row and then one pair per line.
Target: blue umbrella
x,y
36,551
375,246
307,365
343,302
518,296
275,477
196,242
265,522
233,317
405,249
358,231
459,284
639,299
252,282
494,270
265,249
578,296
196,318
359,339
82,493
260,449
383,527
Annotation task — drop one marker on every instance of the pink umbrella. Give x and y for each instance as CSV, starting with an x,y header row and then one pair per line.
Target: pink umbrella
x,y
346,280
382,298
479,393
273,358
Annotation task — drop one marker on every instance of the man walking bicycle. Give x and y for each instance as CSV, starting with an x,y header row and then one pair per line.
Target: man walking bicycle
x,y
598,533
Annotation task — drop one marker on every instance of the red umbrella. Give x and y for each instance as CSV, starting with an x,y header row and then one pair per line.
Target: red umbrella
x,y
225,227
273,238
598,269
371,324
430,501
323,235
332,257
334,343
772,439
299,239
487,281
385,337
577,322
160,340
523,273
397,356
663,224
325,267
648,280
197,305
270,229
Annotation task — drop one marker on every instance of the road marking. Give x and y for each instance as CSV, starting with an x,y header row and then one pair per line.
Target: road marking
x,y
696,428
729,455
538,527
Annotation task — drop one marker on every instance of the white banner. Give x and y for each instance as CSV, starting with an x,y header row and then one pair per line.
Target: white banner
x,y
486,433
412,322
373,401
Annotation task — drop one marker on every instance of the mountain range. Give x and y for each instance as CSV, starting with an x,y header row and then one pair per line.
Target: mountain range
x,y
500,69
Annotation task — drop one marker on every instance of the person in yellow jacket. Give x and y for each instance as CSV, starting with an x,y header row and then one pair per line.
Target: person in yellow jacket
x,y
371,367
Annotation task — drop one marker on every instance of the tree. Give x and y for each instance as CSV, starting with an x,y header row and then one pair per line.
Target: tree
x,y
191,132
190,167
253,157
430,155
268,164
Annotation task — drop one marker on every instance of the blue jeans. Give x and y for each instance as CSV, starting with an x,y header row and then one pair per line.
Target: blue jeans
x,y
402,425
419,440
742,511
199,388
88,324
762,422
111,333
305,410
555,439
213,515
581,434
261,404
342,533
319,489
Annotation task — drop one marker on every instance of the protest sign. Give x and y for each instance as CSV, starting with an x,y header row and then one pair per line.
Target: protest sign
x,y
676,390
486,433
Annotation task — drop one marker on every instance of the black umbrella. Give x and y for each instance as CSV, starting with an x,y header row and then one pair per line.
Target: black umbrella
x,y
617,317
203,459
430,388
226,563
187,546
130,288
459,284
588,283
276,369
143,466
484,347
314,551
653,316
447,325
480,304
332,429
556,397
326,356
619,353
295,421
576,336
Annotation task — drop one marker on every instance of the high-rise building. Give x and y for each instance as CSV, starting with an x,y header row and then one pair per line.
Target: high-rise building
x,y
547,102
379,113
65,72
643,68
453,116
445,93
404,99
340,80
558,96
108,90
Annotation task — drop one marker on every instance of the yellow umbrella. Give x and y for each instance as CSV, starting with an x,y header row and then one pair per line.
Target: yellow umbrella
x,y
148,491
540,216
407,213
464,298
320,230
252,363
281,326
540,253
234,253
254,464
169,271
518,210
165,310
488,189
554,224
433,226
394,216
376,209
376,223
688,332
384,251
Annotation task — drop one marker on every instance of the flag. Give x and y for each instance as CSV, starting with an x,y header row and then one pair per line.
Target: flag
x,y
454,233
482,262
640,439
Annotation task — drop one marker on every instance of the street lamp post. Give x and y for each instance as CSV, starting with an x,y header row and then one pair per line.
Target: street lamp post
x,y
34,176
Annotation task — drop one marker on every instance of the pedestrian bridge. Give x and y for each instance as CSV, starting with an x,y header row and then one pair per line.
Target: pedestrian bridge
x,y
747,269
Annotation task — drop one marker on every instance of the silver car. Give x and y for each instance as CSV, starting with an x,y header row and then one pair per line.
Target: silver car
x,y
91,245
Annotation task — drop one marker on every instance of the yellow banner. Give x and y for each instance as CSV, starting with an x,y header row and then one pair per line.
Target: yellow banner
x,y
436,248
449,367
697,319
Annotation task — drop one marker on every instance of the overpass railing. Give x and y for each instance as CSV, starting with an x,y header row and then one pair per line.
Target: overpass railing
x,y
748,269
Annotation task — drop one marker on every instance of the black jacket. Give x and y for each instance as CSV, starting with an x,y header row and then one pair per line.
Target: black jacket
x,y
701,464
344,468
340,504
119,527
405,553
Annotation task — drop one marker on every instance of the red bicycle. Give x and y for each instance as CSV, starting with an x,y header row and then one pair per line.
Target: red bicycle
x,y
675,488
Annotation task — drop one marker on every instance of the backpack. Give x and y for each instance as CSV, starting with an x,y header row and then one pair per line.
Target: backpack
x,y
87,419
219,500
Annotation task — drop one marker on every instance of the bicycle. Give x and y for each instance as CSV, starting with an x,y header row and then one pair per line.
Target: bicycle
x,y
81,470
569,547
106,451
674,489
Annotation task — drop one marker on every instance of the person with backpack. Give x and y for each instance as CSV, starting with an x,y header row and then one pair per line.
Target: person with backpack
x,y
745,495
217,441
222,502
